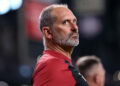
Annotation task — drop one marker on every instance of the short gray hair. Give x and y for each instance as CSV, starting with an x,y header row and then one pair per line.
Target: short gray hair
x,y
46,18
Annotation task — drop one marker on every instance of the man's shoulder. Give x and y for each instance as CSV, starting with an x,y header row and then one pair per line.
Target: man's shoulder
x,y
49,64
47,60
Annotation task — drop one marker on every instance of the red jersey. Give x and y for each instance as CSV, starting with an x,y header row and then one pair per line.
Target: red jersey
x,y
53,70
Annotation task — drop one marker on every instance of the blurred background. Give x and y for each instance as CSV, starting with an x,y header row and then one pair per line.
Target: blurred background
x,y
21,41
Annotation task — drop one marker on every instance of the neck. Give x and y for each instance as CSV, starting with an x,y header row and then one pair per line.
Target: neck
x,y
65,50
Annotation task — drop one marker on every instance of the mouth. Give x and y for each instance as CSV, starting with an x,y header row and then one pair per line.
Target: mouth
x,y
75,36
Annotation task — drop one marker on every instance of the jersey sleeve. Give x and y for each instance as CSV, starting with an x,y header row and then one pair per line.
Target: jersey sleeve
x,y
53,73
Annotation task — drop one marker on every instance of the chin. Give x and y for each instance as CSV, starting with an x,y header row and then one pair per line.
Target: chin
x,y
72,43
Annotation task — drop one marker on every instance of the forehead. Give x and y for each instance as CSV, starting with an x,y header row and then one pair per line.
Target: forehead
x,y
100,67
62,13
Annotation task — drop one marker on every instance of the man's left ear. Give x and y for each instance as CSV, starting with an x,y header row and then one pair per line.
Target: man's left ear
x,y
47,32
96,78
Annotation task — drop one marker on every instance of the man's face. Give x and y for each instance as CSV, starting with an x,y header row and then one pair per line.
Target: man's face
x,y
101,75
65,30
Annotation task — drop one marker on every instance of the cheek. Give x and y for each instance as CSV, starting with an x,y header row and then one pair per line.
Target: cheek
x,y
61,31
58,35
61,34
62,28
102,80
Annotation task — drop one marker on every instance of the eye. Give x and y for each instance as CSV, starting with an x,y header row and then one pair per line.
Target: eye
x,y
66,22
75,21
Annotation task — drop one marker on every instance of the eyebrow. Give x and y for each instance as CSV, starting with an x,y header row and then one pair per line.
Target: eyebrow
x,y
70,19
75,19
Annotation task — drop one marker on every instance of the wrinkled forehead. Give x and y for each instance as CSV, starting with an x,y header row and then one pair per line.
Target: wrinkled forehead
x,y
101,68
62,12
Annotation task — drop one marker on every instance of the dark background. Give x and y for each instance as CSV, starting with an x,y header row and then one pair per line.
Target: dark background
x,y
18,52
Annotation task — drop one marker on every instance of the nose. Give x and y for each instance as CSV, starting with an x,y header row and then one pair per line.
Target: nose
x,y
74,27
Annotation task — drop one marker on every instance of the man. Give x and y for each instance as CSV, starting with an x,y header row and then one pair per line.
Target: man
x,y
92,69
60,36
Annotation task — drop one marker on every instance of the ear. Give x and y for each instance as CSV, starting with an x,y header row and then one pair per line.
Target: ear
x,y
96,79
47,32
